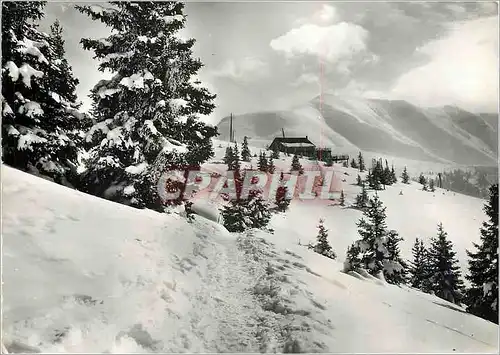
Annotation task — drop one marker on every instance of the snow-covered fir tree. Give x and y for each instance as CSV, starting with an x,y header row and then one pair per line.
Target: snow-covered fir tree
x,y
228,156
342,198
353,258
362,198
322,246
345,164
359,181
148,112
422,180
405,177
444,268
375,239
419,267
262,163
395,268
482,296
39,108
234,163
270,164
245,213
282,196
361,162
354,164
296,166
245,151
432,186
394,178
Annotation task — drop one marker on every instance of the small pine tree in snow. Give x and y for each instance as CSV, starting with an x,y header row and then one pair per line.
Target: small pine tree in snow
x,y
296,164
39,116
394,178
258,210
234,164
345,164
322,246
422,180
270,165
432,186
359,181
361,163
405,177
342,198
235,217
262,163
378,246
245,151
444,269
424,187
282,198
419,267
354,165
147,113
353,258
482,296
362,198
228,156
395,268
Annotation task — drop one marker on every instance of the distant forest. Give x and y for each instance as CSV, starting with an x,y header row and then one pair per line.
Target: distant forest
x,y
473,181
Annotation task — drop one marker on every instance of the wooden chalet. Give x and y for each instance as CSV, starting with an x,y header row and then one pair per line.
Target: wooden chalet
x,y
294,145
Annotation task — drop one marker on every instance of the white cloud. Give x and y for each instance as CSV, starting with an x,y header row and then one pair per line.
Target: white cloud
x,y
332,43
246,70
326,15
463,69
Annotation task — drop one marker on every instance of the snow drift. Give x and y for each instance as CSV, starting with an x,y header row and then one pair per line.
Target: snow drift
x,y
82,274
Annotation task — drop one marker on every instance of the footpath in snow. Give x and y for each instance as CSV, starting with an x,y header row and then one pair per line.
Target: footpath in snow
x,y
82,274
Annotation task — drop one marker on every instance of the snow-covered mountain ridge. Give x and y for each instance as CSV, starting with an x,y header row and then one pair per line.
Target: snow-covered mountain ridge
x,y
396,128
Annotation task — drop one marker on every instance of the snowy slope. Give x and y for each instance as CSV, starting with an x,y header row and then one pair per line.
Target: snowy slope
x,y
81,274
394,128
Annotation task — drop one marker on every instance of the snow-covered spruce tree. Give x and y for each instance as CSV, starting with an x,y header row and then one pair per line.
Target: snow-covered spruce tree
x,y
394,178
395,268
282,199
432,186
405,177
345,164
234,161
228,156
362,199
422,180
296,166
38,95
444,269
352,261
270,165
262,163
419,267
361,162
241,214
258,209
354,165
342,198
359,181
387,175
322,246
148,112
482,296
245,151
378,246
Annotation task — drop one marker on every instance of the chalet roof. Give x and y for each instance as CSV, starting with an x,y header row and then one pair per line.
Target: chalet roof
x,y
297,145
293,140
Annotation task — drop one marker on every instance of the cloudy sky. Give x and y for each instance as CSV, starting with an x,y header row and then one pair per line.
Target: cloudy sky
x,y
273,55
